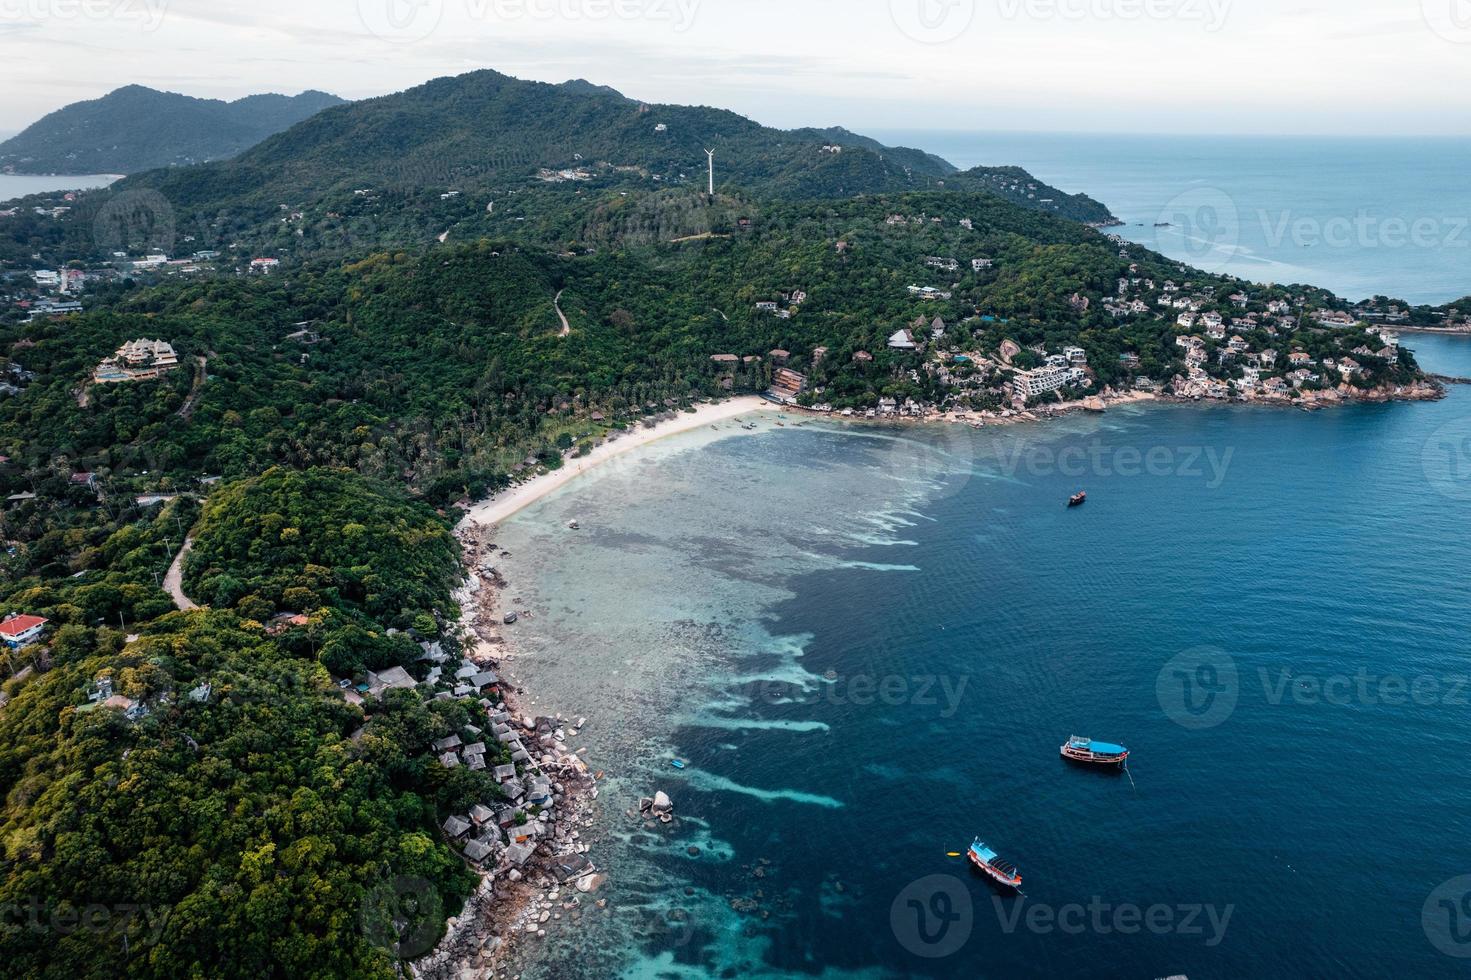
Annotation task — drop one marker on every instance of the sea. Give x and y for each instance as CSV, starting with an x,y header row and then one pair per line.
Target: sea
x,y
13,186
866,644
1363,216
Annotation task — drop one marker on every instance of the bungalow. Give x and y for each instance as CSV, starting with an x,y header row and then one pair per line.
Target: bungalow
x,y
448,744
504,773
395,678
978,265
519,854
766,307
902,340
863,357
22,630
477,851
456,827
1075,355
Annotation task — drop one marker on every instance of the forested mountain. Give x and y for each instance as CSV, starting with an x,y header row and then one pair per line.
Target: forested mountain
x,y
488,136
136,128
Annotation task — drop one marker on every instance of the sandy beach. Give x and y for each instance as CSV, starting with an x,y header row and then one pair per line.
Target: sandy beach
x,y
510,501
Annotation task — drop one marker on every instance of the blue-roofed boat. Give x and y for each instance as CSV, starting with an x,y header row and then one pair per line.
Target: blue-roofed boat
x,y
1094,753
990,863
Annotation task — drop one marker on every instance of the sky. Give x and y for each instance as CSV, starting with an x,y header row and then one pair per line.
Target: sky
x,y
1380,67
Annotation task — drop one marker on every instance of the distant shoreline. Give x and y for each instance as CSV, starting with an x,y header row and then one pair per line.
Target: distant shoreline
x,y
507,503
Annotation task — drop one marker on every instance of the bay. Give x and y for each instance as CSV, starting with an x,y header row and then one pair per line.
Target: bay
x,y
869,642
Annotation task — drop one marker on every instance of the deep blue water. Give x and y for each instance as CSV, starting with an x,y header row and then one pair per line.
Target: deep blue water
x,y
1363,217
987,625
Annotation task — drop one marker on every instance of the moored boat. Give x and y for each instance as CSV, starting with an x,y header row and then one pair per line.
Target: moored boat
x,y
1078,500
990,863
1095,753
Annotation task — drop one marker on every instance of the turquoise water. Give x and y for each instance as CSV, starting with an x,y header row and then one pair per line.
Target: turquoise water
x,y
869,643
1363,217
12,186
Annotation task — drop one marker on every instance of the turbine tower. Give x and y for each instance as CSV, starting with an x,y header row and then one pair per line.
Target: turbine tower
x,y
711,155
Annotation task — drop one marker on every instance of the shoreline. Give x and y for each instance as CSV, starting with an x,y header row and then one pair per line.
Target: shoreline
x,y
495,509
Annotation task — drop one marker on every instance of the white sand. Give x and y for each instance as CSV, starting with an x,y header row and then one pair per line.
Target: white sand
x,y
508,502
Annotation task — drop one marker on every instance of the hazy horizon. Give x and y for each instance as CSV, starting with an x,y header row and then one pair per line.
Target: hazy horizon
x,y
1123,66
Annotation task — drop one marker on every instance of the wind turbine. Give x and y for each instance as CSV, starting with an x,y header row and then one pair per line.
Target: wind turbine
x,y
711,155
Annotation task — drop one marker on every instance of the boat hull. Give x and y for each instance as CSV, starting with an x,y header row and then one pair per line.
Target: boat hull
x,y
994,875
1087,757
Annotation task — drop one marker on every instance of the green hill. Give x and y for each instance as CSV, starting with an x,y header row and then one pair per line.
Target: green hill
x,y
136,128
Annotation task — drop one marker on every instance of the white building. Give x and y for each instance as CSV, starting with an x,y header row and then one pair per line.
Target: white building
x,y
1030,384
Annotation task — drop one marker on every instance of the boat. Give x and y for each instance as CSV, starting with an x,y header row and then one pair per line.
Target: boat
x,y
990,863
1077,499
678,763
574,526
1095,753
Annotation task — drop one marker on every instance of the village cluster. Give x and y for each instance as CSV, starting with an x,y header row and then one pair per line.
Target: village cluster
x,y
1238,346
